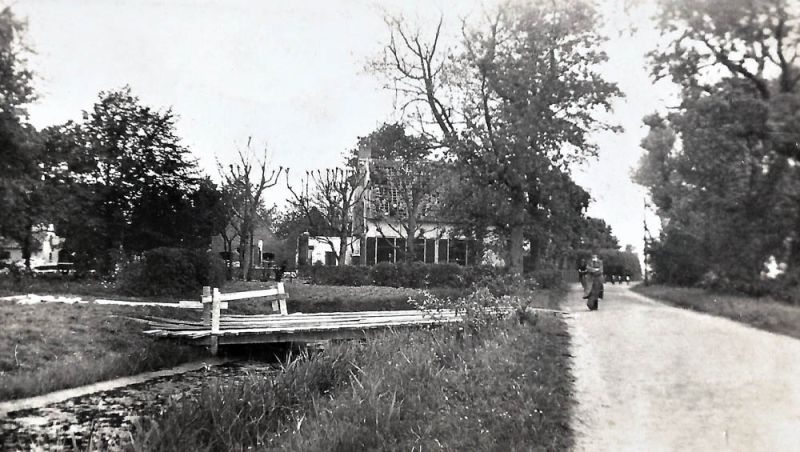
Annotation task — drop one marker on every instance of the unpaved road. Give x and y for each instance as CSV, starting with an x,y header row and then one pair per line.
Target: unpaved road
x,y
650,377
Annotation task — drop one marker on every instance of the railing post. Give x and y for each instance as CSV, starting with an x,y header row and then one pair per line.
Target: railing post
x,y
214,338
279,304
205,300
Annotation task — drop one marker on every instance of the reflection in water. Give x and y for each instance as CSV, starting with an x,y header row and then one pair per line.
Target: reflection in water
x,y
107,417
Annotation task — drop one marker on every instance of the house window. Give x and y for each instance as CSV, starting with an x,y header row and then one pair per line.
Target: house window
x,y
371,249
419,250
330,258
443,254
430,251
385,250
400,245
458,252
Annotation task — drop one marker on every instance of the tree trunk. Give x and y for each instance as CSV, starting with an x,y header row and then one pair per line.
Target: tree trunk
x,y
244,254
411,238
515,250
343,239
26,246
536,252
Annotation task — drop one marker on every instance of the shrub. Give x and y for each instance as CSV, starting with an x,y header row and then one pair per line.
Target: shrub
x,y
446,275
386,274
507,284
171,272
346,275
548,278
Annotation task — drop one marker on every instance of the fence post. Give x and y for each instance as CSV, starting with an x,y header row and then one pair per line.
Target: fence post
x,y
214,338
281,300
205,299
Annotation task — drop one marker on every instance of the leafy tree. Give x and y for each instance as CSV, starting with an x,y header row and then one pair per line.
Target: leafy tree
x,y
722,168
126,177
21,197
520,99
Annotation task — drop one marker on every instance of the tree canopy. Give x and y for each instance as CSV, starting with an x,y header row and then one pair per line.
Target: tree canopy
x,y
514,103
722,167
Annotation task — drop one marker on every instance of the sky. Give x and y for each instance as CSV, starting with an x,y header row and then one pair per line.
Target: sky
x,y
293,76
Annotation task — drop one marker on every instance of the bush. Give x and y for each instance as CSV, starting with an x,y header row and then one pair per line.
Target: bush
x,y
386,274
171,272
418,275
346,275
548,278
446,275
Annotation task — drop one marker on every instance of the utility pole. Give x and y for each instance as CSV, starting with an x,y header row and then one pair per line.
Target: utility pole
x,y
645,270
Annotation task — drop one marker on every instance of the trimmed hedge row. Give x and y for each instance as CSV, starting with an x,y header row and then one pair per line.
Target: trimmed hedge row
x,y
172,272
417,275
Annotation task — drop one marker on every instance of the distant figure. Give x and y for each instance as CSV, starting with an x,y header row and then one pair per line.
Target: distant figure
x,y
628,280
279,271
582,277
595,270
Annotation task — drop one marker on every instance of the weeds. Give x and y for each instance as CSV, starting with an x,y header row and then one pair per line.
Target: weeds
x,y
494,384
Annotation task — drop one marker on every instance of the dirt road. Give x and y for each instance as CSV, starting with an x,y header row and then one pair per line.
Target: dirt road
x,y
655,378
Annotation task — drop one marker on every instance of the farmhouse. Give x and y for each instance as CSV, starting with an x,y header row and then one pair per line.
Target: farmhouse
x,y
379,225
45,247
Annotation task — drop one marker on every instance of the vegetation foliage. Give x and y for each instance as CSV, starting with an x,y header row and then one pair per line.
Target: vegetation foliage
x,y
172,272
487,384
722,167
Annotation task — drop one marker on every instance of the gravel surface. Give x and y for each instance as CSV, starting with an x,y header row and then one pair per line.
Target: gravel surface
x,y
107,417
657,378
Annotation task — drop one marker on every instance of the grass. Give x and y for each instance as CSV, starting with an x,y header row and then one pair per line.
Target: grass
x,y
763,313
51,346
494,385
55,285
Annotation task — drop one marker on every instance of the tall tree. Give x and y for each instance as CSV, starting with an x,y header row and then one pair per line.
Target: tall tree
x,y
244,185
117,163
20,175
328,200
722,168
521,98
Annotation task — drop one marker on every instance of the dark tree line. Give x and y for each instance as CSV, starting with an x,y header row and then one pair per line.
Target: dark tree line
x,y
722,168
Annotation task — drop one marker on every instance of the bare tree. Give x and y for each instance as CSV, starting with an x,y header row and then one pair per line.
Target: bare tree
x,y
244,184
333,196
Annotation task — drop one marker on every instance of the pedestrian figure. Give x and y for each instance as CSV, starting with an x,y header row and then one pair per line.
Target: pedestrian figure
x,y
582,277
595,273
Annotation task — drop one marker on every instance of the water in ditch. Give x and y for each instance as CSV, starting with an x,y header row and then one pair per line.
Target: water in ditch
x,y
105,420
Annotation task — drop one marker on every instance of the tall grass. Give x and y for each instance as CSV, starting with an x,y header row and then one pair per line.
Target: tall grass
x,y
486,384
761,312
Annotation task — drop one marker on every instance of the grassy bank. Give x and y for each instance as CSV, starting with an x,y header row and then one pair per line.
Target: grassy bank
x,y
51,346
764,313
484,385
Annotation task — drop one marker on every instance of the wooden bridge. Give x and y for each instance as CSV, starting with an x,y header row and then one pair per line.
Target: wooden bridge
x,y
215,329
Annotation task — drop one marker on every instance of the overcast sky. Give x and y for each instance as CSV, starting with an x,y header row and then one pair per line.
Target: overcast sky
x,y
291,75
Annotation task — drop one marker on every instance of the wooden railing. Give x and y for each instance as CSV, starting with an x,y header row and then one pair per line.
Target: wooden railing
x,y
211,298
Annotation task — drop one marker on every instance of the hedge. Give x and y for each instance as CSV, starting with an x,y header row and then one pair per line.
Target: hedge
x,y
417,275
172,272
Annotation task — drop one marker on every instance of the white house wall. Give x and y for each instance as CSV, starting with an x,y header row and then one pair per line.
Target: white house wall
x,y
321,246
